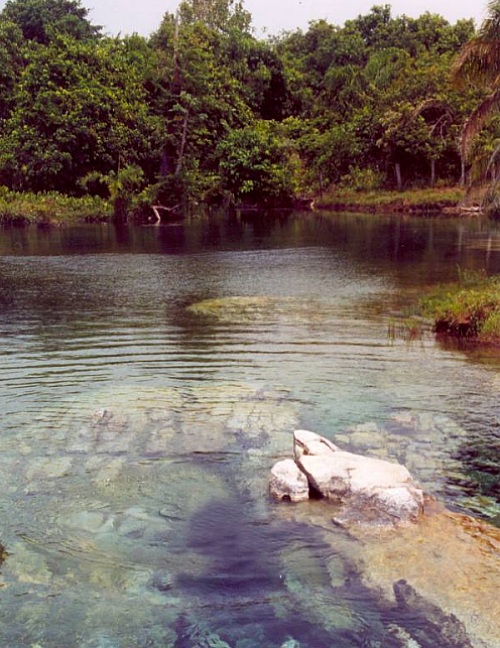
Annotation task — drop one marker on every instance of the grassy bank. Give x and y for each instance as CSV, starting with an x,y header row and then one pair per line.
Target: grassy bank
x,y
410,201
50,209
469,309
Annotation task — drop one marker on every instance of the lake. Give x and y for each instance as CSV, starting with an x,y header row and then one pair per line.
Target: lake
x,y
151,376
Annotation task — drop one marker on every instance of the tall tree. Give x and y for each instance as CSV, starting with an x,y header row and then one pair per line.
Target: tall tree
x,y
39,20
479,64
214,77
198,98
80,106
220,15
11,65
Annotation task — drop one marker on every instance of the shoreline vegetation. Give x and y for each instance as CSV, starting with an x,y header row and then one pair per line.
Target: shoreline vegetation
x,y
51,209
203,112
56,209
448,200
468,310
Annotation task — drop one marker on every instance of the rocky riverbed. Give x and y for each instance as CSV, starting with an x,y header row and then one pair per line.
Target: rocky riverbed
x,y
140,517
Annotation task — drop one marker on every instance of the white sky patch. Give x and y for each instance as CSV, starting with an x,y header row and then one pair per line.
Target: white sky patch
x,y
272,16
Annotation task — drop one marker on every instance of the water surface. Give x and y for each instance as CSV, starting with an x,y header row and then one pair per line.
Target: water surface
x,y
151,376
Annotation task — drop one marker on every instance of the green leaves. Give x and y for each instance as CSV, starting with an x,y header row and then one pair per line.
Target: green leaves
x,y
257,165
42,20
204,108
218,15
78,107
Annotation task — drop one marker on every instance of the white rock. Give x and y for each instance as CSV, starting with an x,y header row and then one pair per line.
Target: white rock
x,y
310,443
287,482
385,491
405,502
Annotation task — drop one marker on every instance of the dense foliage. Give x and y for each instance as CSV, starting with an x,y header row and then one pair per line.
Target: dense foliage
x,y
205,110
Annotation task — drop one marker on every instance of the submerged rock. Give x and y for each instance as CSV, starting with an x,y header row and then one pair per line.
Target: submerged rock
x,y
195,634
442,575
255,309
429,624
290,643
369,490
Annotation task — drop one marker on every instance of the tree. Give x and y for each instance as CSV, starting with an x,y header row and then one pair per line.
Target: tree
x,y
219,15
121,186
257,165
39,20
479,64
213,77
11,64
199,100
80,106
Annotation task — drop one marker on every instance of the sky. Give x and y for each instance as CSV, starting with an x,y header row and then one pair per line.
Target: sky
x,y
144,16
272,16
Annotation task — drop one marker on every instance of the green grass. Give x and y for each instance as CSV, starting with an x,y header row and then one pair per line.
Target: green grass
x,y
50,208
468,309
382,200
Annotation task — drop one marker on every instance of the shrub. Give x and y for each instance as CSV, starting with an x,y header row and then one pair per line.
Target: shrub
x,y
362,179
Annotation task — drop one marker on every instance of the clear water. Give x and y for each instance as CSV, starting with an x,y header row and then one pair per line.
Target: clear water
x,y
151,376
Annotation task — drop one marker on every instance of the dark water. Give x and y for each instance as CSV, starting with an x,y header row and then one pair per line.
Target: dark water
x,y
151,376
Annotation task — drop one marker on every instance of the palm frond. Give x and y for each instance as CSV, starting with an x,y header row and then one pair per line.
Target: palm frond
x,y
478,62
478,119
479,59
490,28
479,170
493,159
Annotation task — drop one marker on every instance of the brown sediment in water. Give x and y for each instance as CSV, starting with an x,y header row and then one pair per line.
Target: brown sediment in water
x,y
451,560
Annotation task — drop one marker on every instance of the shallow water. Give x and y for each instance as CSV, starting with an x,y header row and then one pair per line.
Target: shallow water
x,y
151,376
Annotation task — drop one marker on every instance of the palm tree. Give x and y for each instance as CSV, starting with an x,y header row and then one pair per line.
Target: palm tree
x,y
479,63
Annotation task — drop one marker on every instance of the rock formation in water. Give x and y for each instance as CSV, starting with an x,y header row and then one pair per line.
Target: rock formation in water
x,y
368,490
288,481
429,625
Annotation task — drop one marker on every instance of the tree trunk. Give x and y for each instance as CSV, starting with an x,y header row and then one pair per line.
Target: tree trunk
x,y
399,180
182,146
433,172
462,172
120,209
170,157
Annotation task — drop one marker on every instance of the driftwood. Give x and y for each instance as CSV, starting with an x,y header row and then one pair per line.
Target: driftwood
x,y
158,208
473,209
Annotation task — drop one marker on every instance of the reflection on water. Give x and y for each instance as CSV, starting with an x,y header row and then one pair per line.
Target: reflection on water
x,y
151,376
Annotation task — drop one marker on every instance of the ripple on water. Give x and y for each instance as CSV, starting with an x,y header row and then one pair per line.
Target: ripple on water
x,y
141,416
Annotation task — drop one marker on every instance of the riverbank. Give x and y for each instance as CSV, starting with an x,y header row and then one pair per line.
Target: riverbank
x,y
54,209
469,309
50,209
443,199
